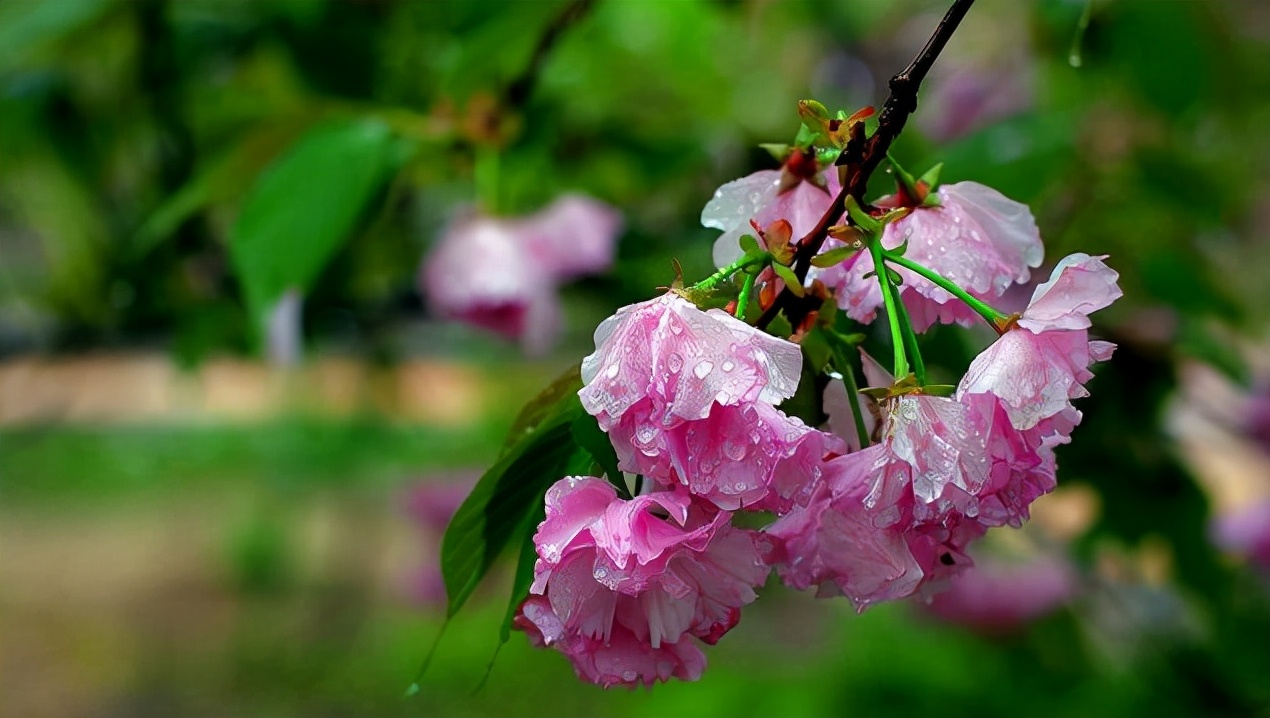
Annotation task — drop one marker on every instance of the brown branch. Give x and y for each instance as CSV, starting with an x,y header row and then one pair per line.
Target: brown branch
x,y
518,90
862,156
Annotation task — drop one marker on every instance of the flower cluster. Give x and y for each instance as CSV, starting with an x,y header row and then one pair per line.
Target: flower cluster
x,y
880,504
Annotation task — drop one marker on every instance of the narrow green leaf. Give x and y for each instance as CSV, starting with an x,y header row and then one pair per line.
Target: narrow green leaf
x,y
931,178
791,280
306,204
833,256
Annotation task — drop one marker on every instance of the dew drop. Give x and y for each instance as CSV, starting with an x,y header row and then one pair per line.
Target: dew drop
x,y
674,362
629,675
728,365
703,368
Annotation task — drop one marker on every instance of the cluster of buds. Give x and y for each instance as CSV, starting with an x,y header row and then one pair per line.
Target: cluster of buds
x,y
880,503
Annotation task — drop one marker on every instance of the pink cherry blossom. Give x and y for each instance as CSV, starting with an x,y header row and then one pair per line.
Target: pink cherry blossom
x,y
660,568
1079,286
683,360
1037,368
976,237
845,546
501,274
751,456
623,659
764,197
998,595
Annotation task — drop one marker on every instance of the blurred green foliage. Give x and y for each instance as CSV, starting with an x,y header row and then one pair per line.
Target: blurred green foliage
x,y
168,168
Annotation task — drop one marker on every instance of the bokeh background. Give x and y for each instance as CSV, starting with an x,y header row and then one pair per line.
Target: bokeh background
x,y
195,523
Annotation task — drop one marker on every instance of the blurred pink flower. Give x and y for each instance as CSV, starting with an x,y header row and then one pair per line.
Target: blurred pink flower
x,y
501,274
998,596
658,569
1256,419
763,198
431,504
1246,532
978,238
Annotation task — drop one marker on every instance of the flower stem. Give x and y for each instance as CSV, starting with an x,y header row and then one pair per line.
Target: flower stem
x,y
910,336
837,350
900,365
990,315
743,300
728,271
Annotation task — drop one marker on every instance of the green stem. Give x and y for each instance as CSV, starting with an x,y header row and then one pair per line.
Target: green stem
x,y
990,315
910,336
728,271
900,365
743,300
847,370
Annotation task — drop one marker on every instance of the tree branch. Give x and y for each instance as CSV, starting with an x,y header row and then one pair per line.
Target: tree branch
x,y
862,156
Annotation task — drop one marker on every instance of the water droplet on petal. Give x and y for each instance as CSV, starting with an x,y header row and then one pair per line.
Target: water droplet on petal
x,y
729,365
675,362
703,368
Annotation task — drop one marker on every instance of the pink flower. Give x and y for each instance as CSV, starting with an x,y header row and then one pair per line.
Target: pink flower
x,y
684,361
977,237
1036,369
998,596
621,660
1246,532
751,456
846,547
656,570
502,274
765,197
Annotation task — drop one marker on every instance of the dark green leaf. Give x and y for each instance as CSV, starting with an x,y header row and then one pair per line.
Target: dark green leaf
x,y
588,435
542,405
490,516
306,204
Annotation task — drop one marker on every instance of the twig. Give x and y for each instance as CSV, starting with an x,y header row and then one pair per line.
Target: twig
x,y
519,89
862,156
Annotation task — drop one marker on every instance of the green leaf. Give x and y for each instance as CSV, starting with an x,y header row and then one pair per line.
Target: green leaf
x,y
833,256
862,219
749,245
542,405
306,204
524,571
499,503
778,150
27,25
588,435
939,389
791,280
931,178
